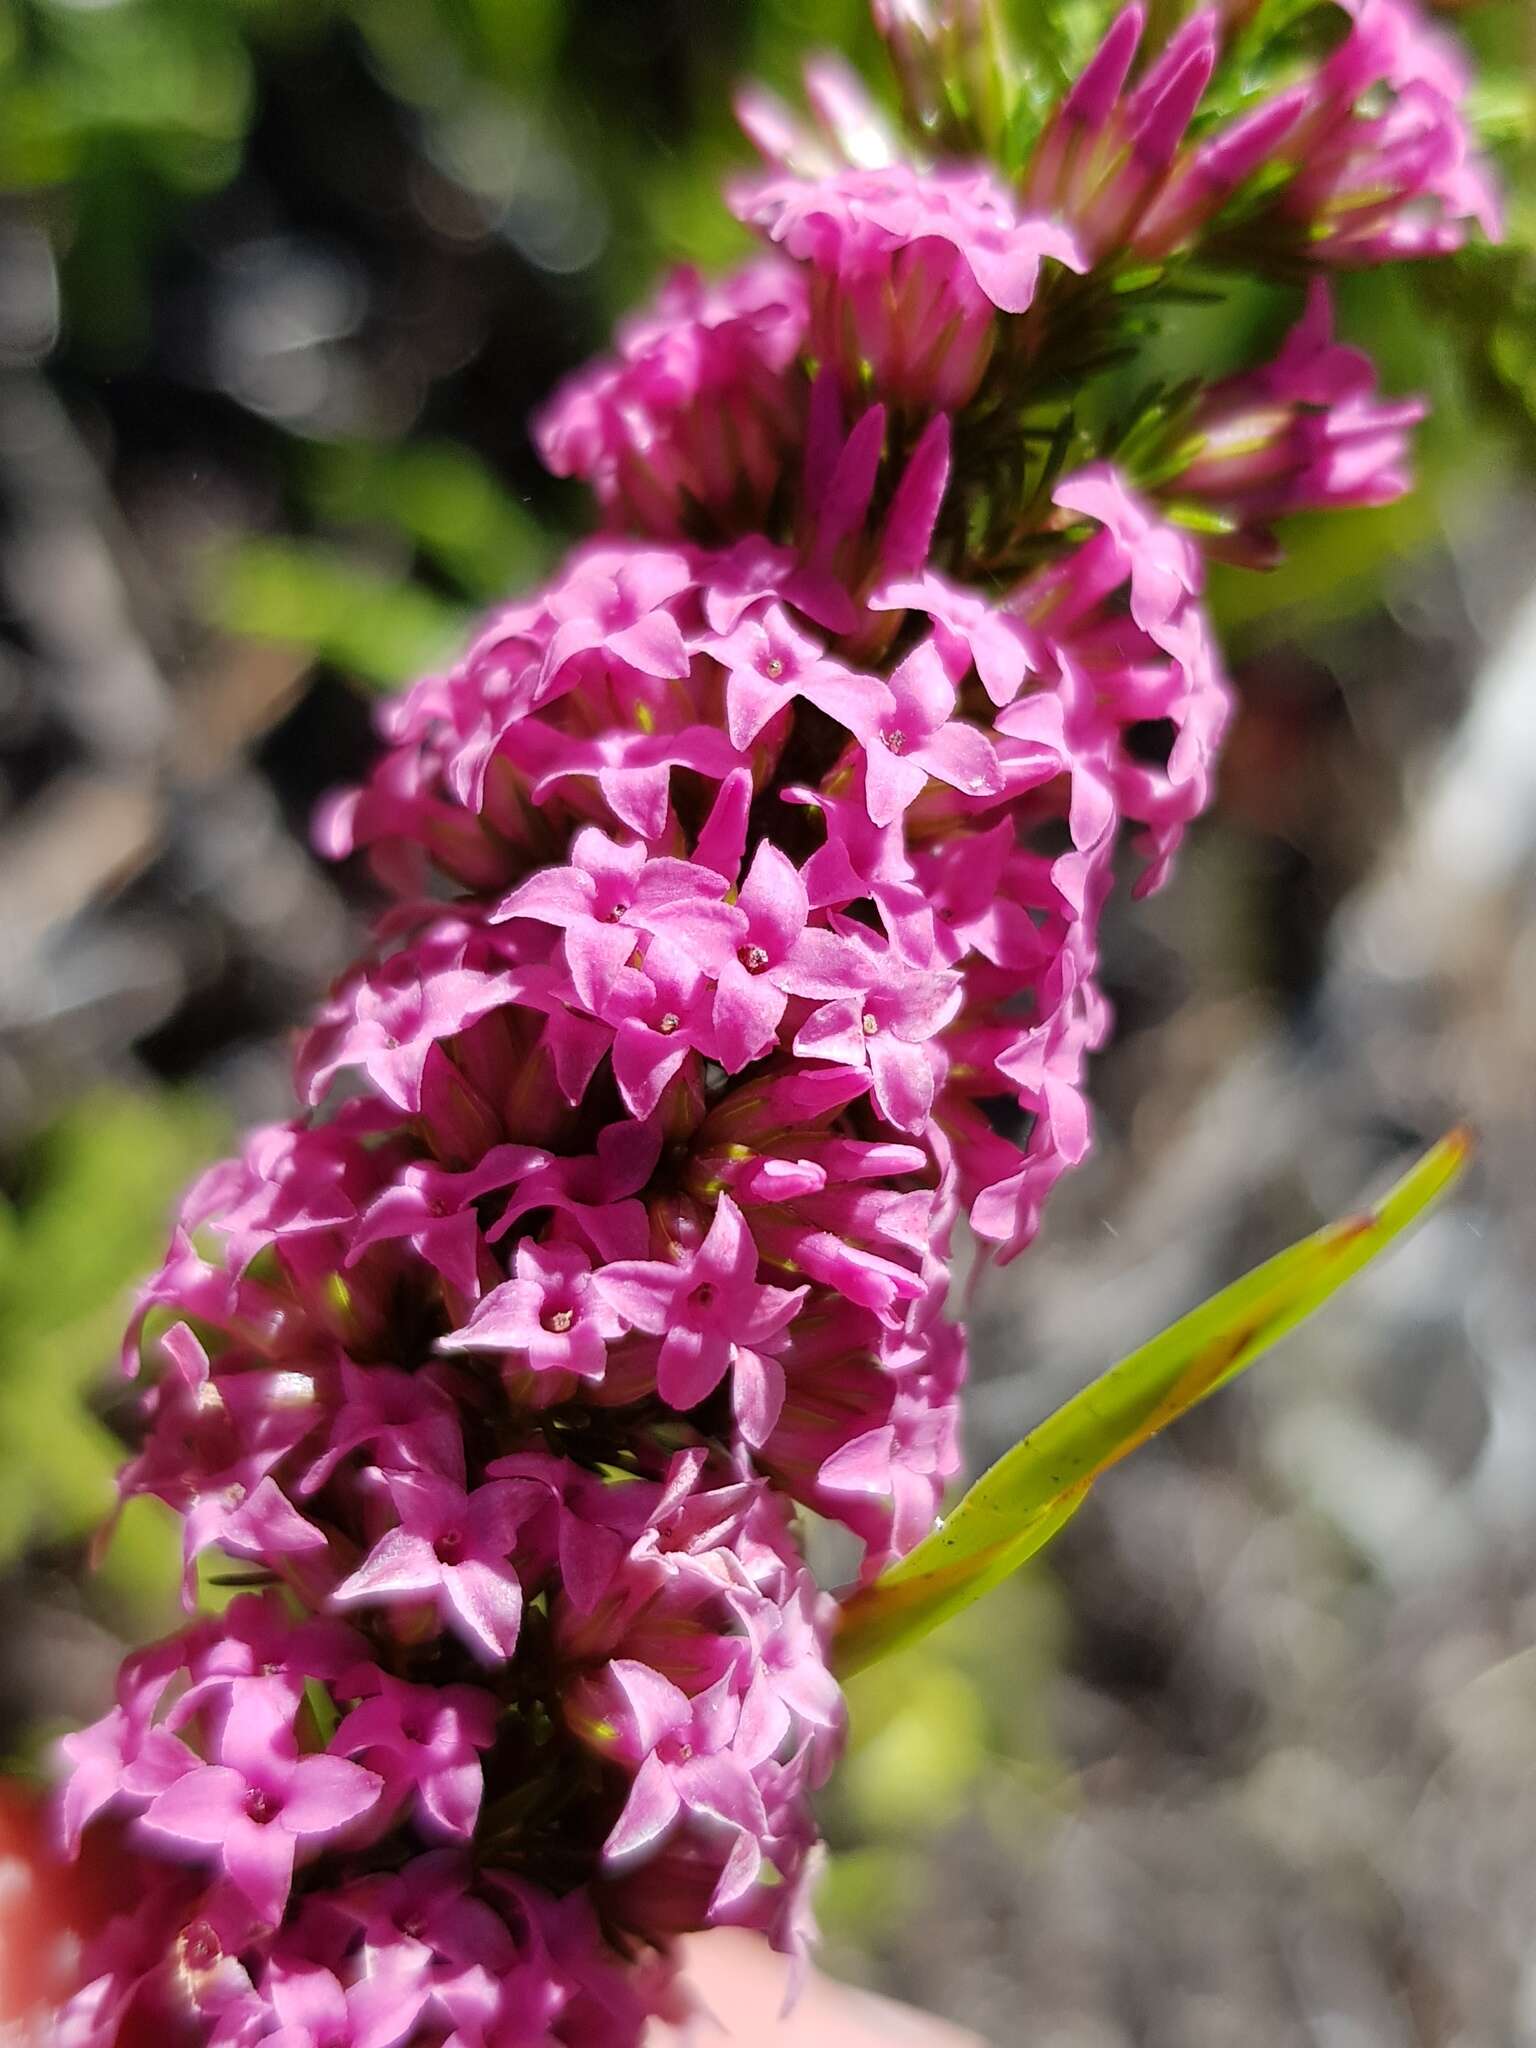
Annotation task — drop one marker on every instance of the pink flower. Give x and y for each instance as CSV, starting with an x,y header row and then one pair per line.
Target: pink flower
x,y
596,1192
313,2008
661,1011
617,602
1400,180
387,1018
1302,433
423,1741
908,270
711,1314
551,1313
696,412
744,892
213,1453
887,1030
917,738
118,1759
694,1761
261,1804
967,632
434,1211
453,1549
1103,158
769,662
780,955
607,896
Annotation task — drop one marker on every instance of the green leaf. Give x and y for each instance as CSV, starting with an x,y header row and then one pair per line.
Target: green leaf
x,y
442,498
1035,1489
93,1191
379,628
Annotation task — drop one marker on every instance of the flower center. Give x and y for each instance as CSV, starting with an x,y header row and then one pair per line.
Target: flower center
x,y
668,1023
449,1547
753,958
260,1806
560,1320
773,668
869,1023
618,913
200,1946
704,1296
895,739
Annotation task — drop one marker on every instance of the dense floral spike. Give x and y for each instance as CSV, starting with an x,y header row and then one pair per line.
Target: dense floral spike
x,y
745,896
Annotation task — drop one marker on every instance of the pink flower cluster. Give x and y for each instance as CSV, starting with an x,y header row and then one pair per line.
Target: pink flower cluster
x,y
745,886
1365,157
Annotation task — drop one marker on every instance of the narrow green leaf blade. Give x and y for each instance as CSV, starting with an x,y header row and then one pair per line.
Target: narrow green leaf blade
x,y
1034,1490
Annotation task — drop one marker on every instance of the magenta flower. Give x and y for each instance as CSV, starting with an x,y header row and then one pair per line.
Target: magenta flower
x,y
1385,165
696,409
769,662
411,1415
616,601
313,2008
596,1192
632,770
423,1741
607,897
1302,433
551,1313
909,270
711,1314
661,1013
967,632
780,955
917,739
888,1030
117,1760
388,1020
434,1210
453,1549
694,1764
261,1804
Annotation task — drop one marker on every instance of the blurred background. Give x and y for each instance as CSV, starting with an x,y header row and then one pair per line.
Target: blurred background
x,y
1252,1757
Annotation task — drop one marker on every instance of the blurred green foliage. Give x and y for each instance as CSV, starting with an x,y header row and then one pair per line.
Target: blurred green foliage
x,y
85,1218
955,1732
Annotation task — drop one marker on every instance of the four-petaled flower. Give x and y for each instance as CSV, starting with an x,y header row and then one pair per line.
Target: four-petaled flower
x,y
711,1312
551,1312
422,1740
779,954
696,1759
261,1803
916,738
454,1549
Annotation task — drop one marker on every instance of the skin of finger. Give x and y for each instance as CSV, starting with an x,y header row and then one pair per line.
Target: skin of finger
x,y
740,1984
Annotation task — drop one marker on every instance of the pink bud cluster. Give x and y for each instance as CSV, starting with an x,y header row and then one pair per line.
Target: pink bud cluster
x,y
743,938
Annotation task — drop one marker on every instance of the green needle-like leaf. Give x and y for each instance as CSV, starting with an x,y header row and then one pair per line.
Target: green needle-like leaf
x,y
1034,1490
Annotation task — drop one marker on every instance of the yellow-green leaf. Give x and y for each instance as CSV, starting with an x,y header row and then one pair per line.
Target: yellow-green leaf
x,y
1034,1490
